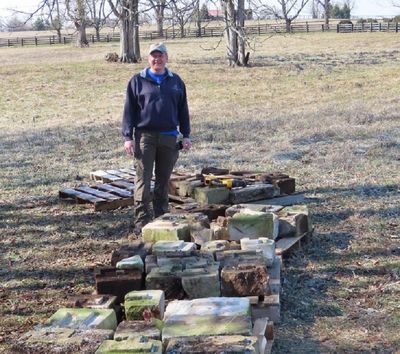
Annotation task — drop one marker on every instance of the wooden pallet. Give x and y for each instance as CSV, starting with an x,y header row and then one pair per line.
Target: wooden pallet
x,y
104,196
107,176
286,245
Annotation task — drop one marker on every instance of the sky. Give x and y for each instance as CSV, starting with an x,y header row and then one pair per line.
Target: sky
x,y
362,8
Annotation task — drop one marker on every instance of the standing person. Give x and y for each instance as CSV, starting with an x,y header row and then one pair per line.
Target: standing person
x,y
155,112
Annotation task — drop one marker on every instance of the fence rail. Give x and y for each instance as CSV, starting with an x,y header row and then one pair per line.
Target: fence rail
x,y
207,31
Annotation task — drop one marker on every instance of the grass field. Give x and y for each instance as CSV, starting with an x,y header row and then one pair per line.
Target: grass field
x,y
323,108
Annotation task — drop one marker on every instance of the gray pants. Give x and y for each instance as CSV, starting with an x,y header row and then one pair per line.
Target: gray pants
x,y
152,149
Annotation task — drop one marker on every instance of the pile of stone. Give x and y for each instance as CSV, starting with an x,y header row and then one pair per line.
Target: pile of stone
x,y
196,282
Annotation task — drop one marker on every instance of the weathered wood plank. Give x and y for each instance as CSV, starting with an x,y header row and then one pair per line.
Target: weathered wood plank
x,y
115,190
288,244
97,193
121,174
80,197
103,176
124,185
113,204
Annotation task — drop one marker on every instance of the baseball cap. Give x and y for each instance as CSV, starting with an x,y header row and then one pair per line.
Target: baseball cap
x,y
159,47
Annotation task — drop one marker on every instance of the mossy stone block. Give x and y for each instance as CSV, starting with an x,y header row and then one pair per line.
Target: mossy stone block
x,y
201,282
165,230
211,195
130,346
136,302
134,262
83,318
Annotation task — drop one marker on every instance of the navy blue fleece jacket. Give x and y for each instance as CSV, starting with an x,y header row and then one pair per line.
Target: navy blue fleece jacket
x,y
154,107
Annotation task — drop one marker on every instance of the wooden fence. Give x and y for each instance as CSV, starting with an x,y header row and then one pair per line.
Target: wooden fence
x,y
207,31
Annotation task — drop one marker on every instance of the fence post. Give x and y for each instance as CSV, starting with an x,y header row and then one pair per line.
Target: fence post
x,y
9,44
22,42
352,27
307,26
337,28
397,27
166,34
92,38
35,41
380,26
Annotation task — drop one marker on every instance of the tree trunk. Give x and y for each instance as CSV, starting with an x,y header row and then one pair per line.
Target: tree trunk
x,y
198,19
327,13
129,42
230,32
241,35
81,39
160,18
288,23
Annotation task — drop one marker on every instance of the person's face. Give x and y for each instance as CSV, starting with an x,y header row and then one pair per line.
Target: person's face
x,y
157,61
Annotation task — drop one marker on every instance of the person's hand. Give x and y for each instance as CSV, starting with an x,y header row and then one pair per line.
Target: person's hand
x,y
186,144
129,147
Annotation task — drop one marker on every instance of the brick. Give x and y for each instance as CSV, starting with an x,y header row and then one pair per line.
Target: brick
x,y
244,280
111,281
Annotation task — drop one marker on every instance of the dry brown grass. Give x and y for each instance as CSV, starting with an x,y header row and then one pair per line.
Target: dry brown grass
x,y
322,107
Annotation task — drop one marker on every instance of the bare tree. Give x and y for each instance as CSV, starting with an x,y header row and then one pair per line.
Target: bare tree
x,y
182,11
76,11
127,11
97,14
287,10
234,32
326,5
55,17
159,9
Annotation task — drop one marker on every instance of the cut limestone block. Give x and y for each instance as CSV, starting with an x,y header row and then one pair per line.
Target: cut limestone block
x,y
133,248
244,280
134,346
211,195
174,248
134,262
166,230
135,329
118,282
93,301
61,340
150,263
268,307
234,257
259,331
186,188
212,306
252,224
199,228
136,302
286,184
213,344
215,245
294,221
232,210
252,193
201,282
263,244
83,318
168,279
207,316
219,232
